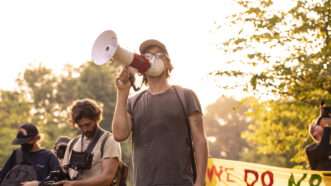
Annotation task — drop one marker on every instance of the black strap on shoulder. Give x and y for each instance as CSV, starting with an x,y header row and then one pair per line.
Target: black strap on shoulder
x,y
18,156
103,144
73,143
136,99
181,97
22,157
94,141
90,147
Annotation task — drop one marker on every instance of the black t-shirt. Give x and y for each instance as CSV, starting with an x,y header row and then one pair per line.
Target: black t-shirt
x,y
43,161
319,155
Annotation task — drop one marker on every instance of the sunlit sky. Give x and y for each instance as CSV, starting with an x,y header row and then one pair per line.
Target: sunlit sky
x,y
55,33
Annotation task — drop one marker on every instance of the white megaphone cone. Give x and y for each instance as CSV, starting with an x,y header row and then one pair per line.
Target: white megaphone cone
x,y
106,49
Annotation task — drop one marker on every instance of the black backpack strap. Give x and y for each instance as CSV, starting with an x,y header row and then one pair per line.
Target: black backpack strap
x,y
90,147
70,147
18,156
103,144
74,141
136,99
94,141
180,95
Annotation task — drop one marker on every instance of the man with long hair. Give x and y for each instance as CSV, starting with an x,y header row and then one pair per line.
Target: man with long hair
x,y
91,158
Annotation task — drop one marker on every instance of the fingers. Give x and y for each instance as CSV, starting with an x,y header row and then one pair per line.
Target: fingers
x,y
60,183
123,79
124,75
119,82
30,183
132,70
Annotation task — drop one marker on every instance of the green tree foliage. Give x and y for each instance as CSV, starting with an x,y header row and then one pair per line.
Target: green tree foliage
x,y
278,132
40,86
287,48
52,95
225,121
44,98
283,48
14,110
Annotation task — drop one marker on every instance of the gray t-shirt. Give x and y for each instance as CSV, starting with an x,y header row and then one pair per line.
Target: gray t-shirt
x,y
161,145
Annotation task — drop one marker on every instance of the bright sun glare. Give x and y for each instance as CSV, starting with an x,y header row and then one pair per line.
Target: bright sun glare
x,y
55,33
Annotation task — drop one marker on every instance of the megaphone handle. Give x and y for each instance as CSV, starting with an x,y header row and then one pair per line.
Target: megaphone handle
x,y
132,80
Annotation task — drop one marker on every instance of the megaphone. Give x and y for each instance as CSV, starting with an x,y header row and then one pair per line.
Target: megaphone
x,y
106,49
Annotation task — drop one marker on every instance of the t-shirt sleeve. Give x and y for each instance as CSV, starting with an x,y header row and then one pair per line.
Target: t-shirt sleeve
x,y
112,148
192,103
54,163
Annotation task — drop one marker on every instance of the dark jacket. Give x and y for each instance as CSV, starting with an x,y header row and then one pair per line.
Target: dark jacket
x,y
43,162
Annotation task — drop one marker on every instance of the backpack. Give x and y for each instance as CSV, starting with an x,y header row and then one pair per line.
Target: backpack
x,y
180,94
121,175
21,172
122,170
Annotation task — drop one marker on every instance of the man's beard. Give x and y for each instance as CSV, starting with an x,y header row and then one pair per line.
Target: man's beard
x,y
90,134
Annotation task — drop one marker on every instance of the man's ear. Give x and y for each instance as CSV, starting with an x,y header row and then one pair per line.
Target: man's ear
x,y
168,64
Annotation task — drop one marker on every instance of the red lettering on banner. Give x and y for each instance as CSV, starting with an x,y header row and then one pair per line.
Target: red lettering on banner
x,y
213,171
271,178
252,172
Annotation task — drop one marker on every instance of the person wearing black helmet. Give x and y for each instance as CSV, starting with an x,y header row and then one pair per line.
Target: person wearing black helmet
x,y
40,162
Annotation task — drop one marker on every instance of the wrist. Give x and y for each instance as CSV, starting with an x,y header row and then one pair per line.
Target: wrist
x,y
74,183
123,91
123,94
199,181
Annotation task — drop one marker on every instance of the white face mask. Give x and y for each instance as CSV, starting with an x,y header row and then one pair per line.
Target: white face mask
x,y
157,66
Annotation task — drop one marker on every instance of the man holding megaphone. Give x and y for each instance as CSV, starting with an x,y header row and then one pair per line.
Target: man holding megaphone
x,y
169,142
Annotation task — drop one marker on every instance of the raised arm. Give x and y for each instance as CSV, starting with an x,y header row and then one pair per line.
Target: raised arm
x,y
121,124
